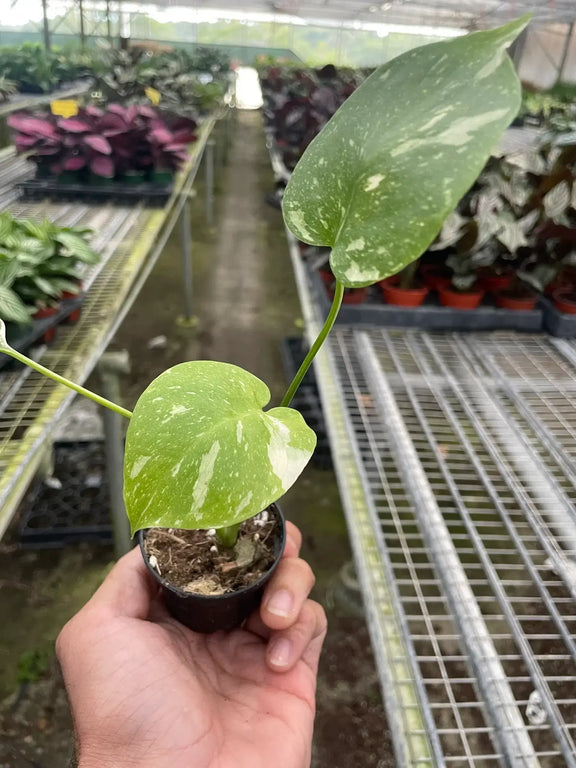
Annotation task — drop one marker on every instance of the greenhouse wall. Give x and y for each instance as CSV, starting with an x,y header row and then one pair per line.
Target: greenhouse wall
x,y
549,56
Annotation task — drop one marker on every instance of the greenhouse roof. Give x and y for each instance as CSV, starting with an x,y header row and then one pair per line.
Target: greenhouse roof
x,y
467,14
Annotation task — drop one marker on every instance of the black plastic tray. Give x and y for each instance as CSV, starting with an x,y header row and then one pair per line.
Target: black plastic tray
x,y
558,323
152,194
22,337
79,510
431,316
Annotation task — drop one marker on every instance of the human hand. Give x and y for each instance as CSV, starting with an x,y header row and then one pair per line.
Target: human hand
x,y
146,691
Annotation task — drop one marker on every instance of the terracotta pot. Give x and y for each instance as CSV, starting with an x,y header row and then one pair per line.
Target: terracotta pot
x,y
69,295
492,281
43,312
211,613
458,300
435,276
565,300
403,297
327,277
517,300
353,295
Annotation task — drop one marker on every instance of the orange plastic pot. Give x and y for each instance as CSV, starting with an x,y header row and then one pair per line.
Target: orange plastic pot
x,y
516,300
435,276
565,300
403,297
457,300
492,281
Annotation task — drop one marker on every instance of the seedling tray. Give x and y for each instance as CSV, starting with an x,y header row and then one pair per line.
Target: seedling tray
x,y
147,192
307,400
22,337
431,315
79,510
558,323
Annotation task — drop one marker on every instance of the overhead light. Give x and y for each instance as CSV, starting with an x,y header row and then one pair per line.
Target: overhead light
x,y
385,6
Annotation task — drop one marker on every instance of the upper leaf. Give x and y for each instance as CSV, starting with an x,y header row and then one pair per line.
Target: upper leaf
x,y
378,181
201,452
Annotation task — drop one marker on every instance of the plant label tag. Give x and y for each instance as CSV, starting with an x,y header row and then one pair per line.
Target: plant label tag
x,y
64,107
153,95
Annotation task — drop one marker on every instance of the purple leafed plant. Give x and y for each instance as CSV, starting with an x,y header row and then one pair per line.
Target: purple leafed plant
x,y
111,143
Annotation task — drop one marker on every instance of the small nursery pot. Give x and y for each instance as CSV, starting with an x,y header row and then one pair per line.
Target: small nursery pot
x,y
516,300
457,300
565,300
211,613
43,312
327,277
435,276
403,297
493,281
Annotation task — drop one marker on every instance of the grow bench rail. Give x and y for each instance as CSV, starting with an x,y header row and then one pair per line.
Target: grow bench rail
x,y
29,101
130,240
455,456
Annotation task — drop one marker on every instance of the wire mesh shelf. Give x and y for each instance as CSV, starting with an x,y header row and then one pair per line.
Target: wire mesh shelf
x,y
464,444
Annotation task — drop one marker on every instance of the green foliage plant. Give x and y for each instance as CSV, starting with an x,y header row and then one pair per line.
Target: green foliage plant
x,y
375,186
38,262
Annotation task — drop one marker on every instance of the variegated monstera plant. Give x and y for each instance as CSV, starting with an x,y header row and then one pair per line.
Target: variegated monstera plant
x,y
375,186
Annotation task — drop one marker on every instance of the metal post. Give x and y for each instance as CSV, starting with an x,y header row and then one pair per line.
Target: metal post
x,y
82,29
186,238
564,58
108,21
110,367
210,182
45,25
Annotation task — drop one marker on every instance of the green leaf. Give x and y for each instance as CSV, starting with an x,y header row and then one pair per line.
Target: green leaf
x,y
201,452
77,247
9,271
377,183
12,308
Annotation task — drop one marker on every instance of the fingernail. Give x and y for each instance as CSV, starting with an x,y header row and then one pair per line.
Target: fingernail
x,y
280,652
280,604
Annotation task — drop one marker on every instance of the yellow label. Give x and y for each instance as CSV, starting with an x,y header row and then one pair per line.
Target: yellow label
x,y
153,95
64,107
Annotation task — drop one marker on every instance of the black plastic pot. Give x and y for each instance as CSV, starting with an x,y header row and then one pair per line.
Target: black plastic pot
x,y
206,613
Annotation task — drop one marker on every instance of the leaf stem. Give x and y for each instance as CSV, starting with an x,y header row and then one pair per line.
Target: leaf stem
x,y
228,535
326,328
66,382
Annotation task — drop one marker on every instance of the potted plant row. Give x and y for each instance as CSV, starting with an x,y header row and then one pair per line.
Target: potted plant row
x,y
41,271
205,464
122,150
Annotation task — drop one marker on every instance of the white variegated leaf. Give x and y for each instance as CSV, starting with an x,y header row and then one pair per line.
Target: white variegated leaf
x,y
557,200
201,452
377,183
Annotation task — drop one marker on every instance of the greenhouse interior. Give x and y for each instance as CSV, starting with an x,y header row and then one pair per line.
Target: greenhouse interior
x,y
288,384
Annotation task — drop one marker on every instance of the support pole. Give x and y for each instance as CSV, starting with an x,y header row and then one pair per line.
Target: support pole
x,y
565,51
82,27
209,182
111,366
108,21
186,239
45,25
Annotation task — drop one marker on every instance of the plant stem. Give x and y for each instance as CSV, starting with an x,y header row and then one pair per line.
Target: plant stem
x,y
67,383
227,536
408,274
326,328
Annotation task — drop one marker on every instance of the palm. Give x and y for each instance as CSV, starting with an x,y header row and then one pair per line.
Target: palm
x,y
206,700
